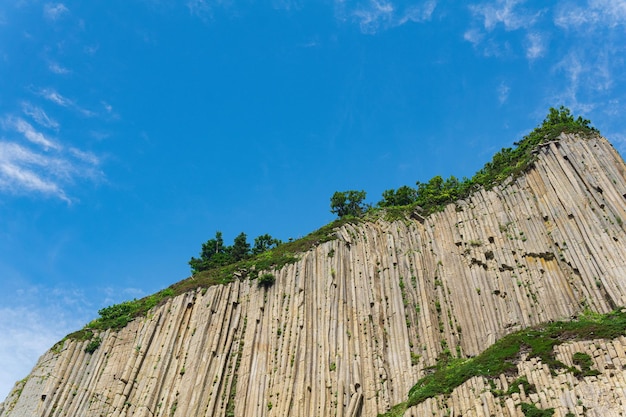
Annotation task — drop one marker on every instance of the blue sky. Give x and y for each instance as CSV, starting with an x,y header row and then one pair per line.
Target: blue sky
x,y
131,131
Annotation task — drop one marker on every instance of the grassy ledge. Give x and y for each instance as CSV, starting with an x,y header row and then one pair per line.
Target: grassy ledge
x,y
502,357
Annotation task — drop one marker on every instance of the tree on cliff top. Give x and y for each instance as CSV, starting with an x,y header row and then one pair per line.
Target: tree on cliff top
x,y
348,203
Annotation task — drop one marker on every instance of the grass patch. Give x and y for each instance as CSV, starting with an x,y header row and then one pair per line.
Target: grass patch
x,y
514,387
503,356
585,362
530,410
93,345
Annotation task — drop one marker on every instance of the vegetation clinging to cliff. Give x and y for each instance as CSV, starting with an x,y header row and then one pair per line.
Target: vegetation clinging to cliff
x,y
502,356
270,259
434,195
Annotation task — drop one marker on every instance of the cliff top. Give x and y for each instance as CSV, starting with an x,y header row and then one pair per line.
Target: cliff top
x,y
429,197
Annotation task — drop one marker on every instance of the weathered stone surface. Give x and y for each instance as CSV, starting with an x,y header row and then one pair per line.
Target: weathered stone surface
x,y
350,327
601,395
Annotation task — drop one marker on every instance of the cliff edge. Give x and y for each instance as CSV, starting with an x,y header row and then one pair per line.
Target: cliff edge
x,y
350,327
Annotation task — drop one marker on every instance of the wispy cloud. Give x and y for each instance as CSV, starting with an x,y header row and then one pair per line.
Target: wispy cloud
x,y
204,8
574,69
505,12
535,46
492,17
421,13
474,36
58,69
39,116
88,157
55,97
375,15
91,49
503,92
577,40
54,11
30,133
609,13
33,163
29,329
21,172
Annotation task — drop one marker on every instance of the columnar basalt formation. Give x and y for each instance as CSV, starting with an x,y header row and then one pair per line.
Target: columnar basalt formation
x,y
350,327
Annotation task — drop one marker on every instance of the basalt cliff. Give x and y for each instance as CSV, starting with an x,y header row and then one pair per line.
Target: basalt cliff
x,y
350,327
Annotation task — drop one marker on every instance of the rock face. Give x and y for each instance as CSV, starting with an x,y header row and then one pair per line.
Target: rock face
x,y
349,328
598,396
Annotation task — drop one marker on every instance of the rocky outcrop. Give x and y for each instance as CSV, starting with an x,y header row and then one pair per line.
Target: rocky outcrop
x,y
349,328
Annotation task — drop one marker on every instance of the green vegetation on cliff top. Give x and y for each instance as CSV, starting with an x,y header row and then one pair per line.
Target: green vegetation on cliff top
x,y
431,197
508,163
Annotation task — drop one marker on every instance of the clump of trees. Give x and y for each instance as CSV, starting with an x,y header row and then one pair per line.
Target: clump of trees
x,y
348,203
435,194
215,254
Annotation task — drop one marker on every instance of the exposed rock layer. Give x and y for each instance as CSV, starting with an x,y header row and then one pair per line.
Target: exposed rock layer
x,y
349,328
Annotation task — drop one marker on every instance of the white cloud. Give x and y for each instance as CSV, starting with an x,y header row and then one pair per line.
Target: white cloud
x,y
88,157
474,36
39,116
42,318
609,13
503,92
375,15
572,66
509,15
54,11
30,133
24,171
602,79
504,12
37,165
202,8
421,13
488,46
91,49
535,46
58,69
588,76
53,96
575,71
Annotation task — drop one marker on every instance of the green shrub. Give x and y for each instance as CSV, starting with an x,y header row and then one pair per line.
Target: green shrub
x,y
585,362
93,345
266,280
